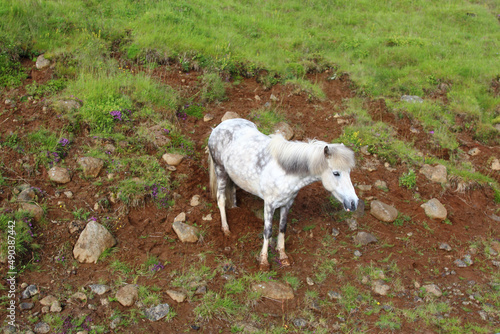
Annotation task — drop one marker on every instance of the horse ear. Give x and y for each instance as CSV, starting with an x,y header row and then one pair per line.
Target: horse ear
x,y
328,152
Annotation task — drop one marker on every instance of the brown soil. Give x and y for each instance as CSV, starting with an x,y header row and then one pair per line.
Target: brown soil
x,y
147,230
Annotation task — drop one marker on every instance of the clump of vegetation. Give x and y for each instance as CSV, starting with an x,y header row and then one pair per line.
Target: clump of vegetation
x,y
408,179
266,119
212,88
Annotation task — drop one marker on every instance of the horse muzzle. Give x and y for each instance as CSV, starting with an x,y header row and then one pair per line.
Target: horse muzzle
x,y
350,205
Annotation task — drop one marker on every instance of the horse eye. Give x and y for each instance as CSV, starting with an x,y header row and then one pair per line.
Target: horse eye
x,y
336,174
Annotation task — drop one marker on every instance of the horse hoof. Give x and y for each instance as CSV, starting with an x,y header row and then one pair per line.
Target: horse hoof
x,y
285,262
227,233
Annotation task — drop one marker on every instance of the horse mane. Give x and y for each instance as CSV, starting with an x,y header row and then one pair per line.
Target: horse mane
x,y
309,157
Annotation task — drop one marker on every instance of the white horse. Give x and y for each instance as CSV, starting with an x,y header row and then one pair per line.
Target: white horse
x,y
275,170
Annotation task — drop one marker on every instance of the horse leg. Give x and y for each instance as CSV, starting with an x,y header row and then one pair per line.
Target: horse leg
x,y
268,229
280,247
222,181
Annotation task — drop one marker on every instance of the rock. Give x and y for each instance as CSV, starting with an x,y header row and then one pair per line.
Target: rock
x,y
173,159
59,175
27,195
91,166
48,300
335,232
445,246
127,295
474,151
76,226
115,322
10,103
42,62
41,328
207,217
436,174
157,134
380,288
334,295
94,240
246,327
432,289
79,296
186,233
309,281
360,210
352,223
274,290
364,238
412,98
66,105
208,118
30,291
381,185
195,200
357,253
435,210
495,164
176,295
99,289
34,209
26,306
157,312
299,322
383,212
365,187
229,115
273,98
68,194
364,150
181,217
284,129
56,307
468,260
459,263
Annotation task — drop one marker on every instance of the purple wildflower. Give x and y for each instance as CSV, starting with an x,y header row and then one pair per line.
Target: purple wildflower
x,y
117,115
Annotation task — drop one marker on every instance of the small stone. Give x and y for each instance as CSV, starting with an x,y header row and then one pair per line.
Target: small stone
x,y
173,159
26,306
59,175
299,322
459,263
93,240
445,247
309,281
176,295
91,166
115,323
42,62
352,223
48,300
380,288
229,115
435,210
364,238
99,289
157,312
127,295
257,97
56,307
273,98
79,296
334,295
437,174
27,195
495,263
364,150
208,117
475,151
432,289
76,226
68,194
284,129
380,184
365,187
195,200
495,164
30,291
207,217
34,209
412,98
383,212
105,302
186,233
468,260
274,290
41,328
357,253
181,217
335,232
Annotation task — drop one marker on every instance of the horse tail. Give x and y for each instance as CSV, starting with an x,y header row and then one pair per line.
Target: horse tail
x,y
213,177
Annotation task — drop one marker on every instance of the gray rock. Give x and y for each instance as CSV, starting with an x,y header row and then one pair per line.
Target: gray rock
x,y
229,115
284,129
412,98
274,290
364,238
299,322
459,263
27,195
468,260
445,247
91,166
157,134
435,210
495,164
173,159
208,118
380,184
352,223
30,291
127,295
432,289
115,323
41,328
383,212
34,209
48,300
335,232
186,233
99,289
380,288
157,312
181,217
26,306
94,240
59,175
42,62
334,295
435,174
76,226
56,307
365,187
495,263
357,253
